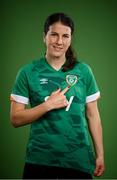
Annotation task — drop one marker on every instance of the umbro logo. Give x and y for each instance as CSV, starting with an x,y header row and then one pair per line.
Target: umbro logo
x,y
44,81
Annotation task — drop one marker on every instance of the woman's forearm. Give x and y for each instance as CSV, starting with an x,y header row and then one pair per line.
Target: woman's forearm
x,y
24,116
96,133
95,128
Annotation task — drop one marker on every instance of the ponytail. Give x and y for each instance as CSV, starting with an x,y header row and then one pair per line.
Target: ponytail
x,y
71,60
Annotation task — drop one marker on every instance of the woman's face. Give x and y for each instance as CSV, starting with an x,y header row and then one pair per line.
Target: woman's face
x,y
57,40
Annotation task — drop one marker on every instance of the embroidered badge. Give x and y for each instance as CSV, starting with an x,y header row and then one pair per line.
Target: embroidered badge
x,y
71,79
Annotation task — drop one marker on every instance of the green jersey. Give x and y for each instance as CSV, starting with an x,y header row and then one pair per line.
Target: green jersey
x,y
60,137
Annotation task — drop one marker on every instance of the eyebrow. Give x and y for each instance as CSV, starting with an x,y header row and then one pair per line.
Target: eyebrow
x,y
52,32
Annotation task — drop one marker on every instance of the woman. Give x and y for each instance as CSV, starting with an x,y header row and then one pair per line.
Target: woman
x,y
63,96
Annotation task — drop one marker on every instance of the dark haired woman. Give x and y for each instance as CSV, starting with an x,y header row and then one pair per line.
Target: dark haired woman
x,y
62,93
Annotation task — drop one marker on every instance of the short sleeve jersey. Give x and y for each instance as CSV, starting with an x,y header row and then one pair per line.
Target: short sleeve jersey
x,y
60,137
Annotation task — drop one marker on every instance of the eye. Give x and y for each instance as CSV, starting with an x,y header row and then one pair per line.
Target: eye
x,y
53,34
66,36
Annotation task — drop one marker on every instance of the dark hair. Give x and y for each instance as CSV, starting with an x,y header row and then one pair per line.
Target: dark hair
x,y
65,20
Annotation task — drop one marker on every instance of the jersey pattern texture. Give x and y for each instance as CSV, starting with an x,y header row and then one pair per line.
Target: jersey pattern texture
x,y
60,137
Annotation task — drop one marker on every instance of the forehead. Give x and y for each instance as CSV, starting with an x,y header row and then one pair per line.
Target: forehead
x,y
60,28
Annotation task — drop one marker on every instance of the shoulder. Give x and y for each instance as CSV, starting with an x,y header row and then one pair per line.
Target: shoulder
x,y
28,68
83,67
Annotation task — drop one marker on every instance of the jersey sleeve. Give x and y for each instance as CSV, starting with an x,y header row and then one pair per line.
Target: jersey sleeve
x,y
20,91
92,90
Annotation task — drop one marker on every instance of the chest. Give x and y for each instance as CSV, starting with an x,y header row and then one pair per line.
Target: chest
x,y
41,85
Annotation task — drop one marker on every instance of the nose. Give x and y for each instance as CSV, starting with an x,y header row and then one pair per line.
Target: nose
x,y
59,40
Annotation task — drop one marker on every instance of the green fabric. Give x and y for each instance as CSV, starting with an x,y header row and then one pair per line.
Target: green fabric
x,y
60,137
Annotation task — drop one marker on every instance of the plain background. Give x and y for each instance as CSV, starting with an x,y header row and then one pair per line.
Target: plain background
x,y
95,41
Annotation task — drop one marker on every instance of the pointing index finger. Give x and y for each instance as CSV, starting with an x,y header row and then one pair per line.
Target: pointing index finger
x,y
65,90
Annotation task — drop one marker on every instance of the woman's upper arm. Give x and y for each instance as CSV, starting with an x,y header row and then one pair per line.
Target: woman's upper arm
x,y
15,107
91,109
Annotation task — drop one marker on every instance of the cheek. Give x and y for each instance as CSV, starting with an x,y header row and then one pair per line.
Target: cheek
x,y
50,41
47,42
68,44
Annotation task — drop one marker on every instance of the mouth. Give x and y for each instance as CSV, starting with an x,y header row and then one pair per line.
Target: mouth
x,y
57,48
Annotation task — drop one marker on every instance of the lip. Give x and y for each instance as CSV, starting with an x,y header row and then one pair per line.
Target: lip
x,y
57,48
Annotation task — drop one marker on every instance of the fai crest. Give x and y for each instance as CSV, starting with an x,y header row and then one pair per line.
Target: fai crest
x,y
71,79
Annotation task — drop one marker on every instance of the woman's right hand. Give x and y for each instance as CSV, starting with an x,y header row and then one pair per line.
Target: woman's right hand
x,y
57,99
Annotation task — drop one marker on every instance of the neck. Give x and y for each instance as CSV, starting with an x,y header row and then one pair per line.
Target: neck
x,y
55,62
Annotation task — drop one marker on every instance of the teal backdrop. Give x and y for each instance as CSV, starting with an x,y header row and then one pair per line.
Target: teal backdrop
x,y
95,41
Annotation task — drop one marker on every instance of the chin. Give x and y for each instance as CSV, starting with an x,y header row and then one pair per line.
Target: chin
x,y
57,55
